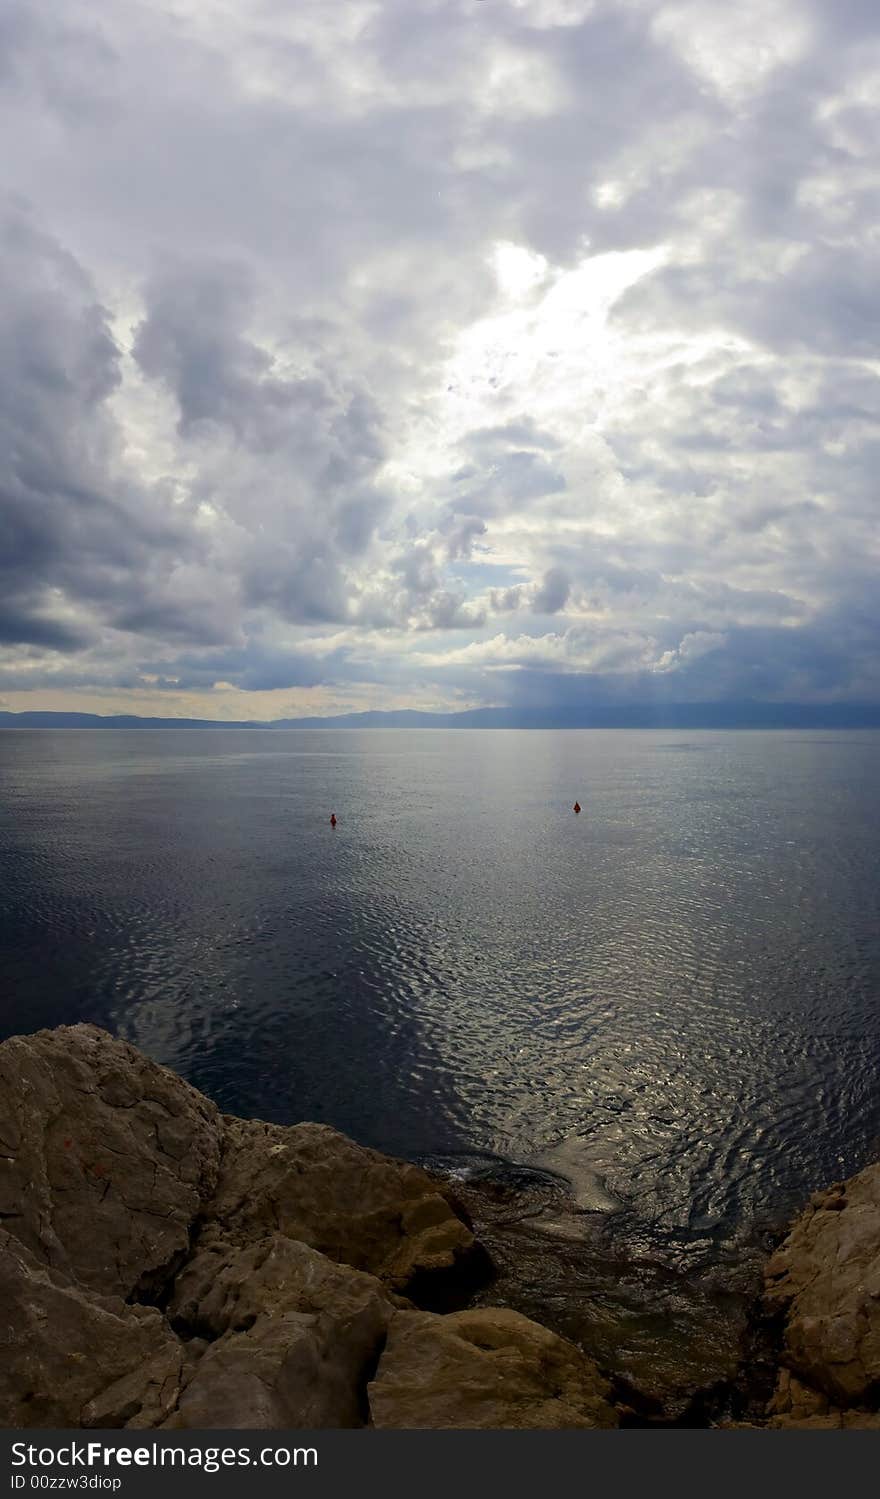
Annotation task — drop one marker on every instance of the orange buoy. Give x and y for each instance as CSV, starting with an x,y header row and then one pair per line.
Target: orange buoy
x,y
332,819
577,806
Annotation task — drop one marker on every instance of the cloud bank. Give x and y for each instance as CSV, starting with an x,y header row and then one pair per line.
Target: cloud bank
x,y
438,353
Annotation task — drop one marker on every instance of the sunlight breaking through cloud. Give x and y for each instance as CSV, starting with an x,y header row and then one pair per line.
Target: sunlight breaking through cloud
x,y
469,354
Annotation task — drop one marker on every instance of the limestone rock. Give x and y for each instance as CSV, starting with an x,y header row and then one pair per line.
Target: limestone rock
x,y
294,1338
794,1402
354,1205
485,1368
105,1157
797,1407
824,1280
71,1358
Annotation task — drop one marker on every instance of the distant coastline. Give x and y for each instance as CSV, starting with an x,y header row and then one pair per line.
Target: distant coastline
x,y
732,715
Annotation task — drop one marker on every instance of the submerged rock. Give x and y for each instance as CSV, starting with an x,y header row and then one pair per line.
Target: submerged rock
x,y
673,1335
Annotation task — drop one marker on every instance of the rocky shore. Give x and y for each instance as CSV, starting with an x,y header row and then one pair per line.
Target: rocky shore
x,y
163,1265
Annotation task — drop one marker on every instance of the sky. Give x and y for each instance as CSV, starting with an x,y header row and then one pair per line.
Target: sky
x,y
437,354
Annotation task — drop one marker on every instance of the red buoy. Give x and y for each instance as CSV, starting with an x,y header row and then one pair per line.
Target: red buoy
x,y
577,806
332,819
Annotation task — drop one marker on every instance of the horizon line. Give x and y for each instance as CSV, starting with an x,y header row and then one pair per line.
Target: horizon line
x,y
742,714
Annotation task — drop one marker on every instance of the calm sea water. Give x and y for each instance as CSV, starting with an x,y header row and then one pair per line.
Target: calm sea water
x,y
672,998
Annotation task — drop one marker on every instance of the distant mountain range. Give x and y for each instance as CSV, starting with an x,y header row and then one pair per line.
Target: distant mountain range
x,y
620,716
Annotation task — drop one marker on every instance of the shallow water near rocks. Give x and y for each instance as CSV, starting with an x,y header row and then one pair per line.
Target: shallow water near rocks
x,y
672,1325
670,999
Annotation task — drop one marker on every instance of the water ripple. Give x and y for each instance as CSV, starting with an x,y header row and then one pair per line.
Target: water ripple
x,y
671,999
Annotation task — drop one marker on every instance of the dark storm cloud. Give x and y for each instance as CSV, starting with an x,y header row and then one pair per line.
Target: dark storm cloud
x,y
195,340
20,626
553,593
259,666
828,302
547,597
508,468
630,107
186,621
75,532
775,665
845,22
415,594
300,449
461,535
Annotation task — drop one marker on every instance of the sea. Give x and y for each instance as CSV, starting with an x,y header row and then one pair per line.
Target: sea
x,y
671,999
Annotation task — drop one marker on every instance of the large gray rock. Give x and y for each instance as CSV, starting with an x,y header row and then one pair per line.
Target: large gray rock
x,y
824,1282
361,1208
485,1368
105,1157
69,1357
294,1338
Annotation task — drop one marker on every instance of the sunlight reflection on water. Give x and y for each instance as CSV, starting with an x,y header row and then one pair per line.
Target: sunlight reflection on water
x,y
673,996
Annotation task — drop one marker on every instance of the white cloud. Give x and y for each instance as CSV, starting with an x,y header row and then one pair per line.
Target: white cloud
x,y
694,645
735,49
